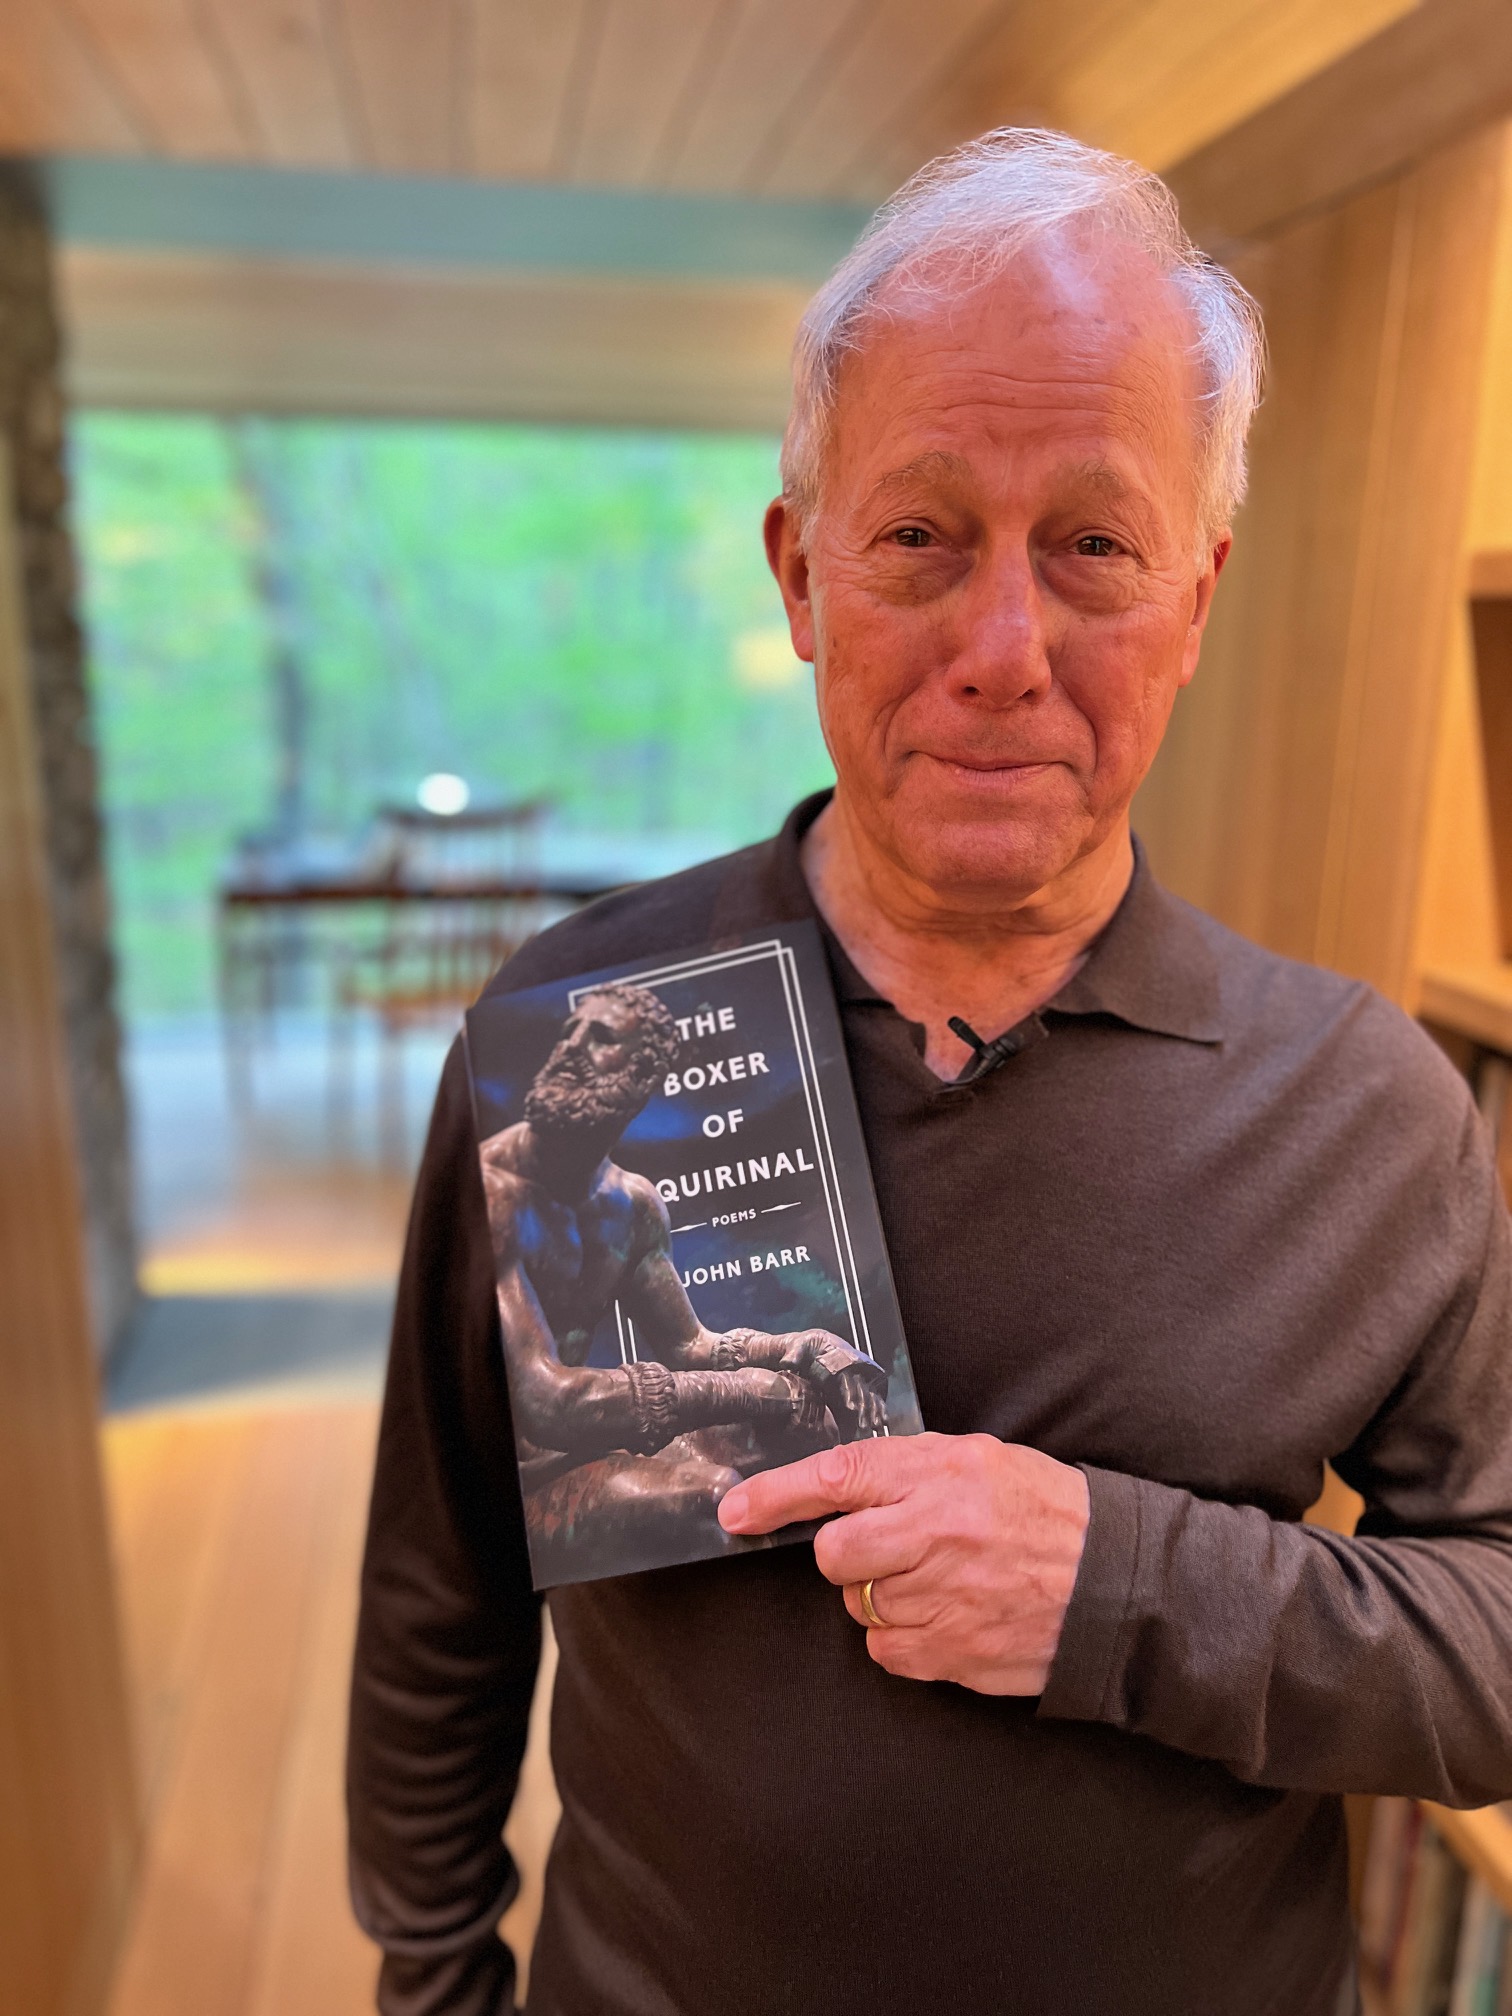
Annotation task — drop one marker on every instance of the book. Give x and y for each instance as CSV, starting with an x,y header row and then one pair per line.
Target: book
x,y
1433,1939
692,1279
1480,1960
1423,1979
1394,1829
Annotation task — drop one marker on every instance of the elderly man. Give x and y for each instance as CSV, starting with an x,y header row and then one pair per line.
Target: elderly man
x,y
1173,1222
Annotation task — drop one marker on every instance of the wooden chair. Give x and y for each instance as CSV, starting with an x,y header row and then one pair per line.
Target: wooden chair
x,y
457,893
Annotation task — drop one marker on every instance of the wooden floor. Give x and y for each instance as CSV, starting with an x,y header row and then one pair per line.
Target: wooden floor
x,y
270,1194
238,1536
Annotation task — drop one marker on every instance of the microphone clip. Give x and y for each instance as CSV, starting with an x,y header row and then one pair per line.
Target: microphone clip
x,y
988,1056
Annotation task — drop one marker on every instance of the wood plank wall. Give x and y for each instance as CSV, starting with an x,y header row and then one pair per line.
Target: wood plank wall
x,y
67,1805
1292,796
1461,921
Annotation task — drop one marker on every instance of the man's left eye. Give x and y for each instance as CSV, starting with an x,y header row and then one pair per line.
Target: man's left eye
x,y
1096,546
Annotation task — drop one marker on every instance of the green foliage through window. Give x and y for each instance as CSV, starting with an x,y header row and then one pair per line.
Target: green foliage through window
x,y
291,622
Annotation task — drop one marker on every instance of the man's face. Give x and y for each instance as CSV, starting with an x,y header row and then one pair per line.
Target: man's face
x,y
596,1073
999,592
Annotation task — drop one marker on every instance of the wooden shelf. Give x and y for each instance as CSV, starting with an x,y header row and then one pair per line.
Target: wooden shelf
x,y
1474,1001
1491,576
1483,1842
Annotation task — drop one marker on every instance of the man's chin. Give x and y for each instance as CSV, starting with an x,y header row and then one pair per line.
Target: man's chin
x,y
978,853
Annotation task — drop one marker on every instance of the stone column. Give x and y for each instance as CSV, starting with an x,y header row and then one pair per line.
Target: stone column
x,y
31,418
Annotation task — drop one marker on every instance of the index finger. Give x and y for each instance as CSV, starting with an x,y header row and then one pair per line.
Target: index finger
x,y
847,1478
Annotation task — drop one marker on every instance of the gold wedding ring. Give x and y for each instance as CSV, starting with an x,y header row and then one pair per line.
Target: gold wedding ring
x,y
868,1608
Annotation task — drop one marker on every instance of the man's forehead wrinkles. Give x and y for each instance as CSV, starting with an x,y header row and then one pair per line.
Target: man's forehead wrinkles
x,y
1122,387
979,402
988,378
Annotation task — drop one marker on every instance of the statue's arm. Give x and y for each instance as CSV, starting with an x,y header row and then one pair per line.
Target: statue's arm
x,y
578,1408
666,1322
854,1387
587,1411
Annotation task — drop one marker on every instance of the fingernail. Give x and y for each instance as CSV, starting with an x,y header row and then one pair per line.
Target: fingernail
x,y
733,1508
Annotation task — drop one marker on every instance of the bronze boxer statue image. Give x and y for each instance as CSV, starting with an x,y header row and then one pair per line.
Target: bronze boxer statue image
x,y
615,1459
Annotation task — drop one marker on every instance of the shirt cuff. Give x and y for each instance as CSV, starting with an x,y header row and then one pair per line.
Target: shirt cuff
x,y
1087,1659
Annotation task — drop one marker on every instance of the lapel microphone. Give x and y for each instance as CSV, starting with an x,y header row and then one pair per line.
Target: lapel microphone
x,y
988,1056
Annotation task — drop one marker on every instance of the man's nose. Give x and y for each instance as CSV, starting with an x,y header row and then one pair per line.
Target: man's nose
x,y
1003,654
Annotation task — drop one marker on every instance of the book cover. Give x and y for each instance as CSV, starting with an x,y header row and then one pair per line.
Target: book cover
x,y
691,1273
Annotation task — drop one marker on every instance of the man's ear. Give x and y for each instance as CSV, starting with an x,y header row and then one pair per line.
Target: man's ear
x,y
789,563
1207,581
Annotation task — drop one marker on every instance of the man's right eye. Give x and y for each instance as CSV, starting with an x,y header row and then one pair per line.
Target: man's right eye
x,y
911,535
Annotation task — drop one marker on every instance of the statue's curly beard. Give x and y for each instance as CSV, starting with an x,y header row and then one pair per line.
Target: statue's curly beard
x,y
560,1102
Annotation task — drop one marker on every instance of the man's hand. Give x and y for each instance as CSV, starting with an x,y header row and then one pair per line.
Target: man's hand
x,y
971,1545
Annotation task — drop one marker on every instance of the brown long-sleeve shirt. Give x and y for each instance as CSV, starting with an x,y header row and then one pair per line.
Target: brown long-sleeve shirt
x,y
1233,1216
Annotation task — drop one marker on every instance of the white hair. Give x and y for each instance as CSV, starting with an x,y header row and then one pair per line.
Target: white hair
x,y
973,211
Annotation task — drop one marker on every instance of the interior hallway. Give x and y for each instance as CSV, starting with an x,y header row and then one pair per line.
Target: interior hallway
x,y
242,1415
293,1189
238,1535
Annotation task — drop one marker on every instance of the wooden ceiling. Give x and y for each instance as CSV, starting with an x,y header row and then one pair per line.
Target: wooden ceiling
x,y
790,98
237,285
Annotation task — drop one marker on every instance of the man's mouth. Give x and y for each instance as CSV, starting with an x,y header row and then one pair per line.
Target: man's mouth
x,y
1010,769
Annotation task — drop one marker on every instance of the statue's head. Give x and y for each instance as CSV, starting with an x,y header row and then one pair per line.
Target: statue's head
x,y
613,1048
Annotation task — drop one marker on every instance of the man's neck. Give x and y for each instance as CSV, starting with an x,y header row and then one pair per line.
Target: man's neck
x,y
991,965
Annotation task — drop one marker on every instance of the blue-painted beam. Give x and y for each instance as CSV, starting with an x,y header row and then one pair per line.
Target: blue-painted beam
x,y
295,213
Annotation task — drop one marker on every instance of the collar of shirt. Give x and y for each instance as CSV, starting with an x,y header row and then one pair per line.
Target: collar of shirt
x,y
1151,968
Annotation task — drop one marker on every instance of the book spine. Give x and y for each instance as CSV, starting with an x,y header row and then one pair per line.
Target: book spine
x,y
1499,1968
1385,1871
1477,1963
1433,1940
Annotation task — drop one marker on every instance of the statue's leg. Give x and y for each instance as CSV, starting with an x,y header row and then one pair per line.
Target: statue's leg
x,y
620,1512
748,1447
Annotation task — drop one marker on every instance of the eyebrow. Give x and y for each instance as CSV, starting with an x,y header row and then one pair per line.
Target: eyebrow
x,y
936,464
1102,476
939,465
1103,482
